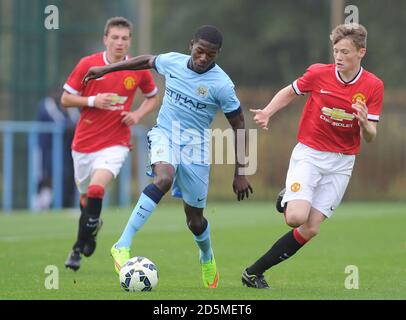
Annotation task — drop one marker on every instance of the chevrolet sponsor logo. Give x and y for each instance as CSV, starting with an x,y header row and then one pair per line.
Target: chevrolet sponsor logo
x,y
116,99
337,114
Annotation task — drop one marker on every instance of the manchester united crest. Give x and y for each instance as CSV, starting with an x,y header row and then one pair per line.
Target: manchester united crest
x,y
359,97
129,83
295,187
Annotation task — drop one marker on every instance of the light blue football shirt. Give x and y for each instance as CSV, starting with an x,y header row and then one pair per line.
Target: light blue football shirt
x,y
191,99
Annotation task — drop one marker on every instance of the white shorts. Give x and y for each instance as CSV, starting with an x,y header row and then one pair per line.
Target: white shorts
x,y
318,177
111,158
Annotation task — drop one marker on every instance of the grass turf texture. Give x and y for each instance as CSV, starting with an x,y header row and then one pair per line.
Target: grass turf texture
x,y
369,236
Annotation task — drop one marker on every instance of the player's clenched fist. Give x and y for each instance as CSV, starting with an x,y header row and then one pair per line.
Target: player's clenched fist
x,y
261,118
130,118
103,100
361,112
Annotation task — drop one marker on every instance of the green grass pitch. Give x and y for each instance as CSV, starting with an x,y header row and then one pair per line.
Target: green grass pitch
x,y
369,236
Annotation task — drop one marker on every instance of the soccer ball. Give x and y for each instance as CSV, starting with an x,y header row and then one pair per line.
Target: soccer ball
x,y
139,274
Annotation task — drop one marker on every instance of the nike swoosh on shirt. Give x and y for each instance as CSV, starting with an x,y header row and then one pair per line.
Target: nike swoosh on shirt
x,y
102,78
171,76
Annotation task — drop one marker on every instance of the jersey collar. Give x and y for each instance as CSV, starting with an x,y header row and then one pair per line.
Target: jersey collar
x,y
355,79
189,65
106,61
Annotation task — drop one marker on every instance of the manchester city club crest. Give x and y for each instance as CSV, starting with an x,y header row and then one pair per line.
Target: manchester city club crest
x,y
202,91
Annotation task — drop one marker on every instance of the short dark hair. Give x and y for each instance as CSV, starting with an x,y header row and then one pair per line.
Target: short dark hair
x,y
117,22
210,34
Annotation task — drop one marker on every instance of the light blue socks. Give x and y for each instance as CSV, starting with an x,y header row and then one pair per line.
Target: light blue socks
x,y
204,244
146,204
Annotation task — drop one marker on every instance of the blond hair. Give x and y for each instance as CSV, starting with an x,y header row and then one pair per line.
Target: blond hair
x,y
355,32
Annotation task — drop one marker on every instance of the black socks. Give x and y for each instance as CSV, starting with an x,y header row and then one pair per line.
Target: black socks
x,y
283,249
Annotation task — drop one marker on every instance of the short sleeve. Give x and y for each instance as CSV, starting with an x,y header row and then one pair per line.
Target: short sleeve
x,y
162,61
306,82
375,102
147,84
74,83
227,98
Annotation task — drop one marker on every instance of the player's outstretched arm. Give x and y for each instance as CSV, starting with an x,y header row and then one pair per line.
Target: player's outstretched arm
x,y
101,101
145,61
241,186
279,101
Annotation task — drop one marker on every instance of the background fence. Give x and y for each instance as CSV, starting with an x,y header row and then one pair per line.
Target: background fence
x,y
120,193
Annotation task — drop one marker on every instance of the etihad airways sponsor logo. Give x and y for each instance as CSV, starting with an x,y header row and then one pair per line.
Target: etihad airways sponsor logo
x,y
187,101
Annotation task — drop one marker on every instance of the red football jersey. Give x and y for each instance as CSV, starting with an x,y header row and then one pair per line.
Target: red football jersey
x,y
327,122
101,128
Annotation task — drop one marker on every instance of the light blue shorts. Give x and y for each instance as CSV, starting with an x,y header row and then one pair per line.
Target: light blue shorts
x,y
191,181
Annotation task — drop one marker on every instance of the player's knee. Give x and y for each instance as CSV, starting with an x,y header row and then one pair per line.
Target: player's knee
x,y
294,219
195,225
163,182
